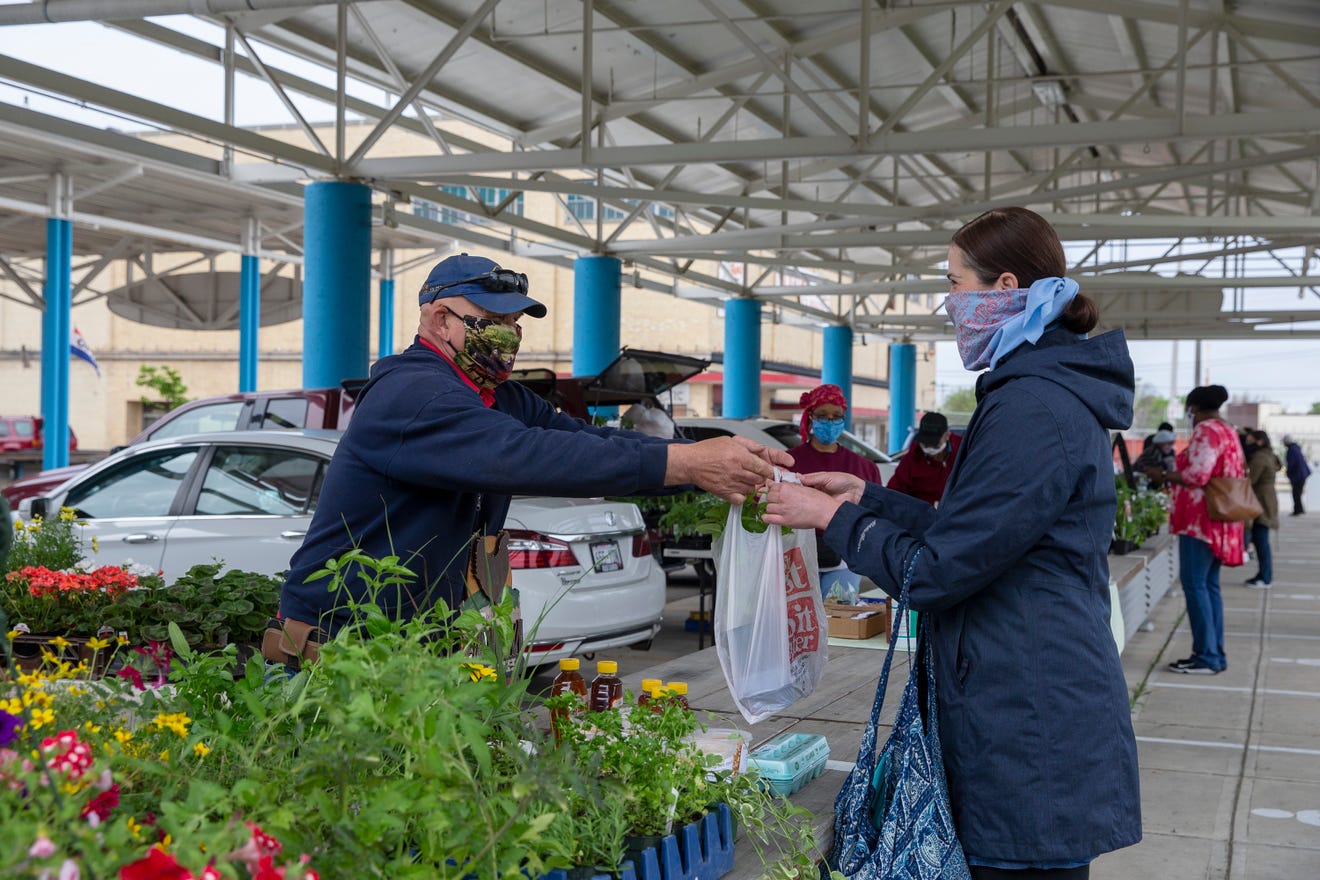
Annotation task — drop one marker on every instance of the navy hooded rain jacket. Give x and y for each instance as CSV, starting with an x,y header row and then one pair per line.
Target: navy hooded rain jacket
x,y
1034,718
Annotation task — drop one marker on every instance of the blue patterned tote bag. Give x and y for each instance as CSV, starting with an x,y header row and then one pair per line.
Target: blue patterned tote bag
x,y
892,819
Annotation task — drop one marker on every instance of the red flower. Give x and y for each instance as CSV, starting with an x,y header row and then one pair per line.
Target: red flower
x,y
157,865
102,804
266,870
132,675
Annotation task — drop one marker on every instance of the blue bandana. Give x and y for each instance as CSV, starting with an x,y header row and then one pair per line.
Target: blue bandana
x,y
992,323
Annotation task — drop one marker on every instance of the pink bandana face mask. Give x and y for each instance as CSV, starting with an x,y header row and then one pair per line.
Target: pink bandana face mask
x,y
992,323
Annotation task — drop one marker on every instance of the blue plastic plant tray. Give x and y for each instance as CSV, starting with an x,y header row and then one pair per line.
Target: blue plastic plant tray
x,y
790,760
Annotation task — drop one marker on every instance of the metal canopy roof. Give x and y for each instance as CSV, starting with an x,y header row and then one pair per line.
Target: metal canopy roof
x,y
1190,123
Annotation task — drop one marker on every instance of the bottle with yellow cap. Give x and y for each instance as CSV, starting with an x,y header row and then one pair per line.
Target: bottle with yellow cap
x,y
678,693
569,680
606,690
648,685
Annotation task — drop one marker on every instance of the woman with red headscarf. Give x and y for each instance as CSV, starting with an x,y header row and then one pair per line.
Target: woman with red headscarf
x,y
822,423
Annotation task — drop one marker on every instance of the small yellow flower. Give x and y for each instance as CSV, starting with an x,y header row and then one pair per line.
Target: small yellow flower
x,y
98,644
134,828
41,717
121,639
67,514
96,545
76,691
164,756
91,728
123,736
60,642
13,705
12,634
175,721
200,750
479,671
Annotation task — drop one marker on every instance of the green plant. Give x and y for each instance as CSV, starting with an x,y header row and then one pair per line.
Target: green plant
x,y
210,609
56,543
1140,512
166,382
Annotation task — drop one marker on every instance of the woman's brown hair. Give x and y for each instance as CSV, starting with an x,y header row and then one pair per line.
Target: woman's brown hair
x,y
1024,244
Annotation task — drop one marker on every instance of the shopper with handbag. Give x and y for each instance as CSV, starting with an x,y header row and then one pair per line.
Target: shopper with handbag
x,y
1010,572
1207,539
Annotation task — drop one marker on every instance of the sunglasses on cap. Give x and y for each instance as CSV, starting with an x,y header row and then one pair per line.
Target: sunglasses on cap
x,y
495,281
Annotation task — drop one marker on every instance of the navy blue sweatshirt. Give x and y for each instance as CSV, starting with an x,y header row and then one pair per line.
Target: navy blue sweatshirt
x,y
425,465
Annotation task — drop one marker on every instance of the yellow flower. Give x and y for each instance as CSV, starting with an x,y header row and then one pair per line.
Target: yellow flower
x,y
121,639
96,545
200,750
12,634
164,756
175,721
91,728
134,828
13,706
98,643
123,736
41,717
478,671
67,514
60,642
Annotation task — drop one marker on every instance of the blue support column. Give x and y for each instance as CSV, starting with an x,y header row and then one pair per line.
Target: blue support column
x,y
742,358
249,321
837,363
55,338
385,307
902,392
597,310
337,282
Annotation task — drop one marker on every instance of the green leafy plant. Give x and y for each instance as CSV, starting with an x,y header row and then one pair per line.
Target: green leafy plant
x,y
1140,511
55,543
166,382
210,609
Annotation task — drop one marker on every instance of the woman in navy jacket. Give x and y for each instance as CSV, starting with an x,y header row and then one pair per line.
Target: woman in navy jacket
x,y
1034,718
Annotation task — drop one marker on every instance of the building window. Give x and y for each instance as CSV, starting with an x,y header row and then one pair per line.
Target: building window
x,y
584,208
490,197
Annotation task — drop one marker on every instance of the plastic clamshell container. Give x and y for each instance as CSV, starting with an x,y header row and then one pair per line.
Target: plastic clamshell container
x,y
790,760
729,744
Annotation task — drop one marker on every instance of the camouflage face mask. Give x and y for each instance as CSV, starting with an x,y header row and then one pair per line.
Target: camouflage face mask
x,y
488,353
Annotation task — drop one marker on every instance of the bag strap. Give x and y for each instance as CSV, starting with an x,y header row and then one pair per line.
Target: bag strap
x,y
866,752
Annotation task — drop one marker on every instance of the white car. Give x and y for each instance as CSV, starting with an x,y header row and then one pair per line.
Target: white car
x,y
779,434
582,567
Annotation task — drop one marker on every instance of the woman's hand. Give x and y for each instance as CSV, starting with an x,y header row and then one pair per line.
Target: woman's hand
x,y
799,506
843,487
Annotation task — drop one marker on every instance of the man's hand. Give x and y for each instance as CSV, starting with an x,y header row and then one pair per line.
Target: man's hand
x,y
839,486
799,506
776,457
725,466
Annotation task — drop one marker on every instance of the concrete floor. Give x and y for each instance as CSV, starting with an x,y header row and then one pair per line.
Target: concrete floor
x,y
1230,764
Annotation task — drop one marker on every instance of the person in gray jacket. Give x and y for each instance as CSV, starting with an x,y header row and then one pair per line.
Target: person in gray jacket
x,y
1035,728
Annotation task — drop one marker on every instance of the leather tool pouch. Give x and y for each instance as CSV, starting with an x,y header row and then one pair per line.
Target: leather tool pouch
x,y
488,575
291,642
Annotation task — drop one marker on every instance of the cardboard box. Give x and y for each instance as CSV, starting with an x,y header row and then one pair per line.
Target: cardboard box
x,y
856,621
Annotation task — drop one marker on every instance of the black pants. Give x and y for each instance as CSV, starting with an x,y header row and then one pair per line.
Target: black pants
x,y
1297,496
981,873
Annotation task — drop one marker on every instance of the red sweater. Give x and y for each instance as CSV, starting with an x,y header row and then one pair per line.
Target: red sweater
x,y
807,459
921,476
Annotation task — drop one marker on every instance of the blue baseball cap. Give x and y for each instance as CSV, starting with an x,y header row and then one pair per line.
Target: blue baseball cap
x,y
483,283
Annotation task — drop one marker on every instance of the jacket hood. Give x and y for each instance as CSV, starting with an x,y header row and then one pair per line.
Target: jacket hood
x,y
1097,371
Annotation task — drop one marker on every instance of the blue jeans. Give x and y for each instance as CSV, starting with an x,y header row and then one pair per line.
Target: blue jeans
x,y
1198,569
1260,539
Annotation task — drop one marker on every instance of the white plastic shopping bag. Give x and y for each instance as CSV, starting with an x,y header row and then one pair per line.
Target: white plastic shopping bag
x,y
769,631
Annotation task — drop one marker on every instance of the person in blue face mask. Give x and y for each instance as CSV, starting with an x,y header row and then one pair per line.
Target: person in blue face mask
x,y
823,410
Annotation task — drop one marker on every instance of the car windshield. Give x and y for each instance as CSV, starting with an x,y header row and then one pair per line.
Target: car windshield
x,y
786,433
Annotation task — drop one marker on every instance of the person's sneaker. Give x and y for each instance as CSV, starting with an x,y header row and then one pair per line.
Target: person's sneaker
x,y
1258,584
1193,667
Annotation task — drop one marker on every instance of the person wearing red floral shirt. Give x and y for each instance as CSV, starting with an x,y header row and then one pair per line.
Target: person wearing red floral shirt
x,y
1204,544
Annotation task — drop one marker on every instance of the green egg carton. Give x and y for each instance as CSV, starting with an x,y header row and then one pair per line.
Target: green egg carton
x,y
790,760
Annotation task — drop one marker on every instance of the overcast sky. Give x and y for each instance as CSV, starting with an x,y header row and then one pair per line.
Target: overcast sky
x,y
1286,371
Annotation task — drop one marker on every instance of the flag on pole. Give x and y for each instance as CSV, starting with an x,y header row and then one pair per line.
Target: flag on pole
x,y
79,348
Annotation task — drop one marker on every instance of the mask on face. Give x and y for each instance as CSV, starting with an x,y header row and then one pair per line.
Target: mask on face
x,y
992,323
933,450
487,355
827,431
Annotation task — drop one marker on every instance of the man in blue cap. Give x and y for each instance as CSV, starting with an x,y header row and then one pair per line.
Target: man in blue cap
x,y
438,443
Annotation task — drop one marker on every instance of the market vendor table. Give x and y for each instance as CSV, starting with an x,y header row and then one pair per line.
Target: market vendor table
x,y
841,704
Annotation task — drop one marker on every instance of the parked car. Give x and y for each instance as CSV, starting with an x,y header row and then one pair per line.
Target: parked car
x,y
583,567
24,432
779,434
327,408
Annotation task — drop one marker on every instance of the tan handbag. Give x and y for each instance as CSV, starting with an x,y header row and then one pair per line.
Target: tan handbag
x,y
1231,499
